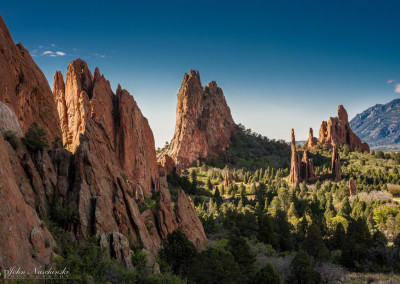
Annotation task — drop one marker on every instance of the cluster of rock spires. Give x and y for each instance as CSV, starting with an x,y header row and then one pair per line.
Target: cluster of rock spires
x,y
301,167
334,133
337,132
204,124
104,175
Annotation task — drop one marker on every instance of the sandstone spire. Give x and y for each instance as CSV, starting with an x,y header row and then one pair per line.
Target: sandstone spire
x,y
114,155
337,132
312,141
204,123
301,169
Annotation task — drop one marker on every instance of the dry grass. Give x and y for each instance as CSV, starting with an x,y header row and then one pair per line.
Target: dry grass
x,y
375,278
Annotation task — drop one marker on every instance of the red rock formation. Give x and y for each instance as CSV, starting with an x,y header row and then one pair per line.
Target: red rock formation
x,y
115,163
336,171
312,141
337,132
228,179
24,87
24,239
204,124
352,187
301,169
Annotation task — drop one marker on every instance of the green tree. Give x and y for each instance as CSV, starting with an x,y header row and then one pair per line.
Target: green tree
x,y
302,271
209,184
35,138
266,275
313,244
214,266
178,252
241,252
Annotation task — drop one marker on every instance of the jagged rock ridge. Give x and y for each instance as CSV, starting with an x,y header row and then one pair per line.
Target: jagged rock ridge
x,y
204,124
104,182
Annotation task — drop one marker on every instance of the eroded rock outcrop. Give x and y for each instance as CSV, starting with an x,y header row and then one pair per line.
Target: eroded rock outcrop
x,y
312,141
24,87
25,241
104,181
337,132
204,123
301,167
115,163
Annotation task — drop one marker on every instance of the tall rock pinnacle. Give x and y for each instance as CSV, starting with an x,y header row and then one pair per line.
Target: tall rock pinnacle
x,y
204,124
301,167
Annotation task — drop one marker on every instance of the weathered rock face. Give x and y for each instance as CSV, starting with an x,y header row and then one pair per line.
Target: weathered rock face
x,y
115,163
24,87
301,168
312,141
105,182
336,170
24,239
86,98
352,187
337,132
204,123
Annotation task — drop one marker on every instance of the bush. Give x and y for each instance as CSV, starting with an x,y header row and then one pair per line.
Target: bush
x,y
10,137
35,138
178,252
267,275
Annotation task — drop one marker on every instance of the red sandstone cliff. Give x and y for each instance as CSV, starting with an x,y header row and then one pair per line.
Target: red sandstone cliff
x,y
204,124
115,163
24,87
105,180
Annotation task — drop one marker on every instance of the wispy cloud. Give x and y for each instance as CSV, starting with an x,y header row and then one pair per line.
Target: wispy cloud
x,y
390,81
397,89
53,54
53,45
100,55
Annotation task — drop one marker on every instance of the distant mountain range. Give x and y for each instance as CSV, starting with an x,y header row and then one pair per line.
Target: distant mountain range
x,y
379,126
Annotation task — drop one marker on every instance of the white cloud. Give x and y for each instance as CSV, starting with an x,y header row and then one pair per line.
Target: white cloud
x,y
397,89
53,45
53,54
390,81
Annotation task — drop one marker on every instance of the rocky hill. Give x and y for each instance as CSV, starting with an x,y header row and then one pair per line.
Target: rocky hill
x,y
379,125
204,124
105,182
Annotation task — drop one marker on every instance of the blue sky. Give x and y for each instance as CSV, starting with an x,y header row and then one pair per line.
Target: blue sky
x,y
281,64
